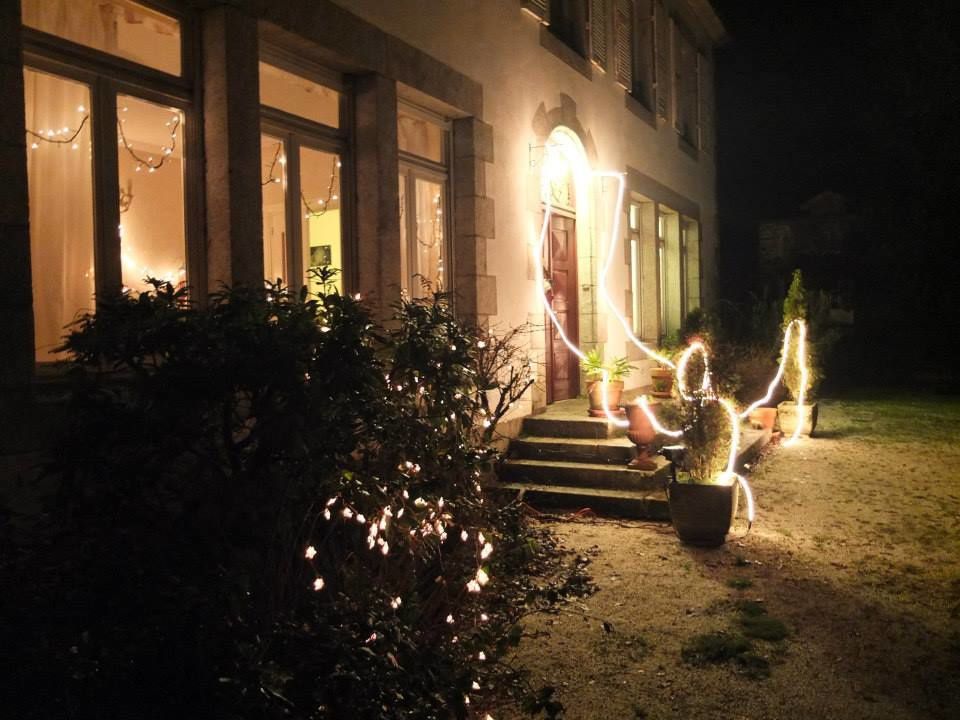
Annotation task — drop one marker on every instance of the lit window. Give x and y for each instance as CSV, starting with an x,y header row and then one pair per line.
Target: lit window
x,y
150,163
121,28
59,167
302,166
643,271
691,263
320,197
421,137
299,96
671,276
273,155
424,181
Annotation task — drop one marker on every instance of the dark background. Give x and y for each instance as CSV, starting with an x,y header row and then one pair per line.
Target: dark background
x,y
860,98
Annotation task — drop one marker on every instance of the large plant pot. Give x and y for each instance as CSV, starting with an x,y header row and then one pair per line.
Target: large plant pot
x,y
642,434
662,381
595,394
702,514
763,418
787,417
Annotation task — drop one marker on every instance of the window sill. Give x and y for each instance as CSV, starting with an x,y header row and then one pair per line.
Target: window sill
x,y
571,57
640,110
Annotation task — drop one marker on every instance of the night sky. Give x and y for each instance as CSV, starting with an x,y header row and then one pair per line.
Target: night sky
x,y
860,98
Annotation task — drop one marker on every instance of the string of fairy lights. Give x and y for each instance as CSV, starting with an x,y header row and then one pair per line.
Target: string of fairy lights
x,y
65,136
311,211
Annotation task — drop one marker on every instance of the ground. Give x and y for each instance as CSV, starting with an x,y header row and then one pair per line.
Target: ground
x,y
856,549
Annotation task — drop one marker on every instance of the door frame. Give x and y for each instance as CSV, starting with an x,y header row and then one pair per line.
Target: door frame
x,y
573,315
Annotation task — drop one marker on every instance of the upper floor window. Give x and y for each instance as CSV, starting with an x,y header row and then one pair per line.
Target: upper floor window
x,y
640,80
686,86
107,158
302,152
425,251
568,21
122,28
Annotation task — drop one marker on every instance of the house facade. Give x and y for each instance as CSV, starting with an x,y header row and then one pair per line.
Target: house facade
x,y
414,144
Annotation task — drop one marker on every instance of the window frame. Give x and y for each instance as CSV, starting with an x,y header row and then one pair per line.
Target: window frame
x,y
297,132
410,168
108,76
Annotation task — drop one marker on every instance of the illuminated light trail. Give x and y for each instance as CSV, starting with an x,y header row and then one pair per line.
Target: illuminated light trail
x,y
679,368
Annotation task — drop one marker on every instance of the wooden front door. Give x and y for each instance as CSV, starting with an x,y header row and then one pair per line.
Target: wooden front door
x,y
560,264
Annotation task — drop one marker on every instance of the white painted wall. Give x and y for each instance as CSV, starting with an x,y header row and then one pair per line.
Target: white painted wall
x,y
497,44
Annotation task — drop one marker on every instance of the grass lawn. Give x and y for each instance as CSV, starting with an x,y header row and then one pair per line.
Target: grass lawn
x,y
842,602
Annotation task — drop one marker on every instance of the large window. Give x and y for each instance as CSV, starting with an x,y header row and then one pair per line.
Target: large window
x,y
302,151
686,86
644,279
106,153
691,263
642,77
671,273
568,21
423,141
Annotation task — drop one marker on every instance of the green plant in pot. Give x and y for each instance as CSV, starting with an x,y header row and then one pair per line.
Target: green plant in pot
x,y
616,370
702,494
789,413
661,374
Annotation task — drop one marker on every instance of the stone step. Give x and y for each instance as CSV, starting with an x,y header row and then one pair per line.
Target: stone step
x,y
616,451
752,441
571,426
634,504
597,476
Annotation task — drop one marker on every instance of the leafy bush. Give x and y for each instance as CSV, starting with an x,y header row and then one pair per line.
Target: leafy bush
x,y
796,307
269,506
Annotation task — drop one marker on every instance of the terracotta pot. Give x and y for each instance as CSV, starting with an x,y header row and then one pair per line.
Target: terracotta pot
x,y
787,418
641,434
702,514
662,381
763,418
595,393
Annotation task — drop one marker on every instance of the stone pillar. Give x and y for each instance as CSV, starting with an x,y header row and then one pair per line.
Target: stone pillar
x,y
377,183
16,296
231,133
476,292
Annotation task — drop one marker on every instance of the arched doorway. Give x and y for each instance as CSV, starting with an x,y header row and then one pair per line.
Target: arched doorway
x,y
565,182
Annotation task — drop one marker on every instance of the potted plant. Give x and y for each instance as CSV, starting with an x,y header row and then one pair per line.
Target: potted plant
x,y
617,369
702,497
661,375
788,413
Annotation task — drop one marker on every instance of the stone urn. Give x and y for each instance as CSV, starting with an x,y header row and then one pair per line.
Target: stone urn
x,y
643,435
787,416
662,380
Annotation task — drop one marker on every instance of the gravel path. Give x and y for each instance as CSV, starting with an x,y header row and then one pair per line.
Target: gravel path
x,y
856,549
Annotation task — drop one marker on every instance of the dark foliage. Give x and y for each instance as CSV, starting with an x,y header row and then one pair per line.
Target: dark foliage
x,y
269,506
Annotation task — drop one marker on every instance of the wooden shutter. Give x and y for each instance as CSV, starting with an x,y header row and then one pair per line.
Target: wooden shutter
x,y
540,8
598,32
664,70
706,104
623,43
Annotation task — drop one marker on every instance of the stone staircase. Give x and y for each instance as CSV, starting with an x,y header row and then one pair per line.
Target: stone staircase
x,y
565,459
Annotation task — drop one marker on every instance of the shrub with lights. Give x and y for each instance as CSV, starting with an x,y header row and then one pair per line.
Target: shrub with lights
x,y
271,506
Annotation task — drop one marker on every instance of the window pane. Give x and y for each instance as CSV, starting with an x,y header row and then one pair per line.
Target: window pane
x,y
670,288
273,155
150,164
320,202
691,244
119,27
420,137
428,258
404,238
61,204
298,96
